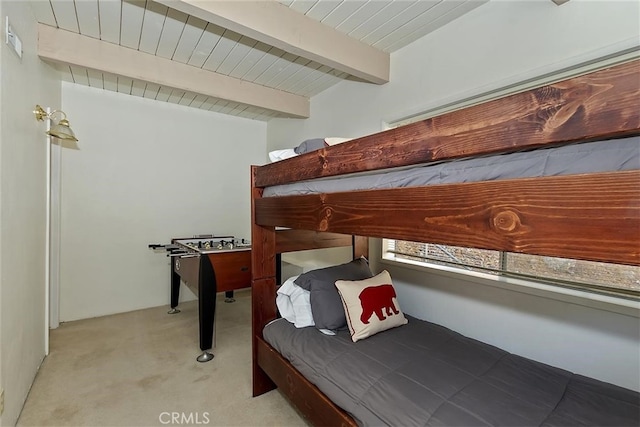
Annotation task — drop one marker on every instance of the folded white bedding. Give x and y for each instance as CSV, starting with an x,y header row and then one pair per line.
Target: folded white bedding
x,y
336,140
294,305
305,147
277,155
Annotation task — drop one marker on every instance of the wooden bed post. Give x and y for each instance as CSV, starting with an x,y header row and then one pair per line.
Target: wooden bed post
x,y
263,287
360,247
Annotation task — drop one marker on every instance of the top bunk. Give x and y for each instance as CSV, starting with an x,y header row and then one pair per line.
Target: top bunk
x,y
590,213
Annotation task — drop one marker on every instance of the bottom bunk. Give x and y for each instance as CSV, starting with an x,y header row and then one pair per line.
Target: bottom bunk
x,y
344,353
424,374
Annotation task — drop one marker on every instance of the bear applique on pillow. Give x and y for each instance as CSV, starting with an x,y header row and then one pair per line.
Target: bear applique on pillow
x,y
370,305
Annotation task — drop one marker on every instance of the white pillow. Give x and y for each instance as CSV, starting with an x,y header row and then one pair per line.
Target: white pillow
x,y
285,306
336,140
294,304
278,155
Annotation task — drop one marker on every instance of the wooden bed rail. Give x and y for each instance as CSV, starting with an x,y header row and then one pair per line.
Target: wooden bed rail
x,y
592,216
600,105
301,240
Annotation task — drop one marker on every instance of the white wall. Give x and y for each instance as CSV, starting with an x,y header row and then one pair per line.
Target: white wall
x,y
499,43
560,331
496,44
24,83
145,172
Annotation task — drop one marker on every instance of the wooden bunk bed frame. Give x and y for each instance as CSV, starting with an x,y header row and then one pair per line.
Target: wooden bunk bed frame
x,y
586,216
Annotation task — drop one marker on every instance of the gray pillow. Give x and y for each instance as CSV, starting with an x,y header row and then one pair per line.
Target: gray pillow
x,y
326,305
310,145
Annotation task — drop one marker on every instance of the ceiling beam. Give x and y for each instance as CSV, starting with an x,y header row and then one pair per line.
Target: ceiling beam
x,y
74,49
277,25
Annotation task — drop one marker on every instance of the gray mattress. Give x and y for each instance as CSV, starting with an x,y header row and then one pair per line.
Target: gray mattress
x,y
422,374
599,156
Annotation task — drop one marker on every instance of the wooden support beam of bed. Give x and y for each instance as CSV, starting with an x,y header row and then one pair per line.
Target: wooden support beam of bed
x,y
263,311
593,216
263,287
600,105
299,240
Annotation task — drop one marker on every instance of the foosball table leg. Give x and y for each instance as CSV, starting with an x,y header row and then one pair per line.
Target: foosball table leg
x,y
207,287
228,296
175,288
204,357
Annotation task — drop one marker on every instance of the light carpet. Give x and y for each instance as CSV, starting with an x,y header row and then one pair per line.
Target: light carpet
x,y
140,369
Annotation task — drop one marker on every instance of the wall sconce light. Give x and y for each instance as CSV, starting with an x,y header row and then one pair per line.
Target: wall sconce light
x,y
59,129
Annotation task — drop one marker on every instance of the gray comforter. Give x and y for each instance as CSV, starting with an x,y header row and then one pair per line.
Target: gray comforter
x,y
600,156
422,374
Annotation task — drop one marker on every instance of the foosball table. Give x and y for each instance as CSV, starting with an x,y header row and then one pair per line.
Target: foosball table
x,y
208,265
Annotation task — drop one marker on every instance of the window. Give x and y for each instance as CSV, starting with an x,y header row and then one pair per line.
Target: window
x,y
595,276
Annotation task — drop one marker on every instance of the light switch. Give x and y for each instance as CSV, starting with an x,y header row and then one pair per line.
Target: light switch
x,y
12,38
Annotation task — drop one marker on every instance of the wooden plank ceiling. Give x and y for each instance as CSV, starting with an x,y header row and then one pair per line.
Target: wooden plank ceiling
x,y
254,59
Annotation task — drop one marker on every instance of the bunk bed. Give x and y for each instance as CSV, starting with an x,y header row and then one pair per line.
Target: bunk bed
x,y
591,214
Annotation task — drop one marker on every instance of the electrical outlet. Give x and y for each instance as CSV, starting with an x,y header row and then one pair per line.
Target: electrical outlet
x,y
1,401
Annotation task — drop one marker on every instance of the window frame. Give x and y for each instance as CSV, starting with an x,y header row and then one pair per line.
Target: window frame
x,y
615,304
505,273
